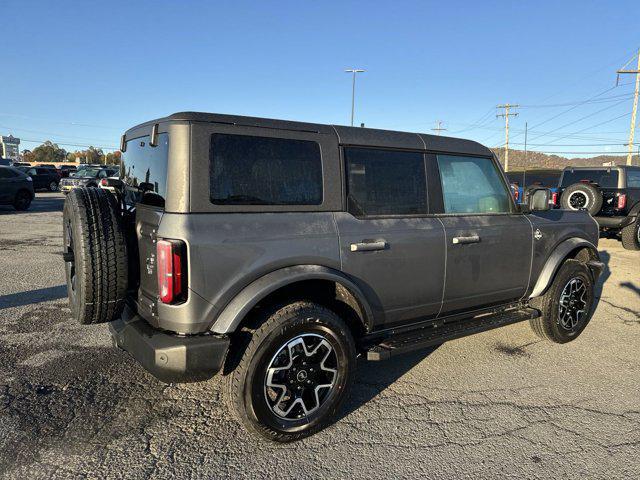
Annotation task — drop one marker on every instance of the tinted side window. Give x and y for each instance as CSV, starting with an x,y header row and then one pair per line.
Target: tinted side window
x,y
472,185
633,178
385,182
247,170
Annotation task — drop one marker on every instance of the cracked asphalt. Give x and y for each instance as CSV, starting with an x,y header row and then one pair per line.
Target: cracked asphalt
x,y
499,404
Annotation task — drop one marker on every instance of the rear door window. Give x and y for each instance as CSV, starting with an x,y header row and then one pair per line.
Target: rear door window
x,y
472,185
385,182
250,170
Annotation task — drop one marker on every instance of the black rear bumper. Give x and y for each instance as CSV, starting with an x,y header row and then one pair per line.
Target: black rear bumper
x,y
170,358
615,222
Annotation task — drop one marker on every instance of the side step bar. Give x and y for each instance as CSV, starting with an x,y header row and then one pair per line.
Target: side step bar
x,y
438,333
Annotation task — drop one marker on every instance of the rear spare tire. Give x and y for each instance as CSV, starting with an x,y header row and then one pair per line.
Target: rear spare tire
x,y
95,255
582,196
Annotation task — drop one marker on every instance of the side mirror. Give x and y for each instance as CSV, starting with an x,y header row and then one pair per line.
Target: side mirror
x,y
539,199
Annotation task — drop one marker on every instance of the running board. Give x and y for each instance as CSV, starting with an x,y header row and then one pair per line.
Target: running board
x,y
438,333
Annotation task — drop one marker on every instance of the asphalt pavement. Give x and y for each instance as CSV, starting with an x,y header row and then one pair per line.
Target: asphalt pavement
x,y
502,404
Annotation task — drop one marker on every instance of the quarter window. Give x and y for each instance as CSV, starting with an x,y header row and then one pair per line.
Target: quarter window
x,y
472,185
385,182
633,178
247,170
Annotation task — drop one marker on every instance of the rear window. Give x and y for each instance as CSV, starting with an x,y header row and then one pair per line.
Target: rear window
x,y
143,164
604,178
247,170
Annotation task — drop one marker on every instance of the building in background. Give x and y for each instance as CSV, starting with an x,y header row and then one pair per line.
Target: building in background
x,y
10,147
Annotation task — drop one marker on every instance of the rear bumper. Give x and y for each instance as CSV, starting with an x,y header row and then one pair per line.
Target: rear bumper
x,y
170,358
615,222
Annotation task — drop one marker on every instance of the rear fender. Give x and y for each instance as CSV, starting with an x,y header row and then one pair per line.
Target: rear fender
x,y
233,314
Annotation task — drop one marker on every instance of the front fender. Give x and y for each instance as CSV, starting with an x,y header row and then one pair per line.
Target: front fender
x,y
243,302
559,254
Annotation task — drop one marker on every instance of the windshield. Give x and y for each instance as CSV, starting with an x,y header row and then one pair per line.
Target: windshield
x,y
85,172
145,166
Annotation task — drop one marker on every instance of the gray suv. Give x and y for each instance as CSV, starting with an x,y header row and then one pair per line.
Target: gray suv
x,y
276,252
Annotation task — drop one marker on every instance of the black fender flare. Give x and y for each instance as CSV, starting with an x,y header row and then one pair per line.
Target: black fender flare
x,y
559,254
230,317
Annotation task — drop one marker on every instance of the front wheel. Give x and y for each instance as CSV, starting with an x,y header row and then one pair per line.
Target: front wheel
x,y
295,373
53,187
567,306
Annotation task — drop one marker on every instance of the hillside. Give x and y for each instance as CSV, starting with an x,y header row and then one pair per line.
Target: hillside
x,y
542,160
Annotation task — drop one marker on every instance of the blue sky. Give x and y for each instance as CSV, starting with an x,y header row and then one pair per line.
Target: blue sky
x,y
83,72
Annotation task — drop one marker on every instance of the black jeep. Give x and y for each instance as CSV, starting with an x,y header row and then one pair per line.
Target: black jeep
x,y
610,194
276,252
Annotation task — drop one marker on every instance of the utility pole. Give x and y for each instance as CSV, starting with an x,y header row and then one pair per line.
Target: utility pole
x,y
438,128
635,104
353,89
524,176
506,115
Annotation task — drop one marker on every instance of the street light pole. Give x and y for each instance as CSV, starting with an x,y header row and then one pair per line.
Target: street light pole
x,y
353,89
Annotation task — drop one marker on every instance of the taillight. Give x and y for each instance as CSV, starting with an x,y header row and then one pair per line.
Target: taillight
x,y
622,201
171,271
104,182
554,198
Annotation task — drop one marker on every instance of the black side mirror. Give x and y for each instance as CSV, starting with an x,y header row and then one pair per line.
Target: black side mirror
x,y
539,199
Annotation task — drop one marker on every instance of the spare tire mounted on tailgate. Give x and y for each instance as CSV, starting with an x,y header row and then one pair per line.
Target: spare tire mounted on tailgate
x,y
95,255
582,196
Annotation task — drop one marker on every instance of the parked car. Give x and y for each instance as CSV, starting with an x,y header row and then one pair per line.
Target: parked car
x,y
66,170
277,251
5,161
16,188
21,164
43,178
610,194
87,177
47,165
523,181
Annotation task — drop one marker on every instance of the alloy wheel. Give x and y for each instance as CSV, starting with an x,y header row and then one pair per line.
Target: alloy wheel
x,y
578,200
301,376
572,307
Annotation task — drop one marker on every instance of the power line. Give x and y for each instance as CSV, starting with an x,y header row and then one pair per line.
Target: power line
x,y
584,117
104,147
612,98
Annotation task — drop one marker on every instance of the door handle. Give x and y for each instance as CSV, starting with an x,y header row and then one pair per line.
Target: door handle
x,y
464,240
369,246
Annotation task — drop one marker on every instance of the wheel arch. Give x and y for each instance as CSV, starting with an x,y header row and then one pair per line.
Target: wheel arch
x,y
571,248
300,280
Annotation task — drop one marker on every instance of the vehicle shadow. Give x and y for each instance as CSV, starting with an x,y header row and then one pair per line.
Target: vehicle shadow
x,y
33,296
39,204
631,287
605,257
372,378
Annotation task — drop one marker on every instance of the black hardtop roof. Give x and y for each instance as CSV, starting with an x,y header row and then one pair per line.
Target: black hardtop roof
x,y
356,136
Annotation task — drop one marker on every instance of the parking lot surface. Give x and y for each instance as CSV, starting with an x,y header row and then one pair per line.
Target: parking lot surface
x,y
498,404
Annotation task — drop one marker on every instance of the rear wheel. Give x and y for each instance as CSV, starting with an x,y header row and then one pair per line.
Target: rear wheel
x,y
567,306
95,256
22,200
631,235
294,374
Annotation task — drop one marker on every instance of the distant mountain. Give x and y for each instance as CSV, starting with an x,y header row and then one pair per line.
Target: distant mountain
x,y
534,160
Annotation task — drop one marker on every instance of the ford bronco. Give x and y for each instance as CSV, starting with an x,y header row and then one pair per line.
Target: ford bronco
x,y
610,194
276,252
